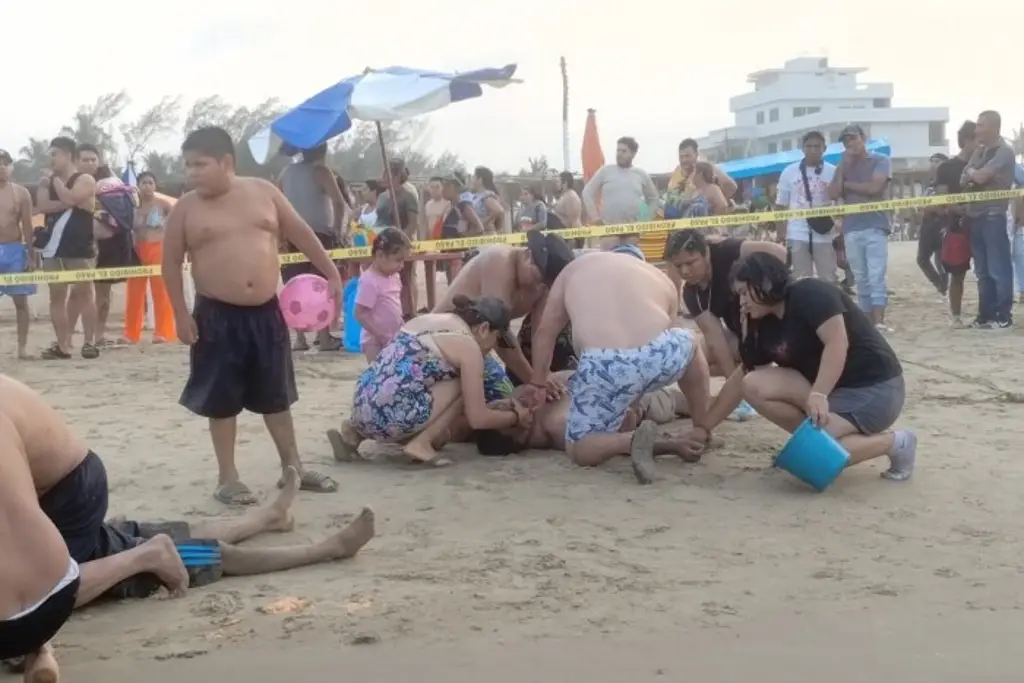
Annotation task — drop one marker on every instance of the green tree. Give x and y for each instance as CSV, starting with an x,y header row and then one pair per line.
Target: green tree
x,y
159,120
538,168
95,123
356,154
33,159
168,168
241,123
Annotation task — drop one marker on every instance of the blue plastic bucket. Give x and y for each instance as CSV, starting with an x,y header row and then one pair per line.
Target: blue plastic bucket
x,y
813,456
352,327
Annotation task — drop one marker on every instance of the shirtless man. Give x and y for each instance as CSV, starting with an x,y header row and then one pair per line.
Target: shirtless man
x,y
39,581
67,197
519,276
126,559
16,252
624,317
241,358
547,430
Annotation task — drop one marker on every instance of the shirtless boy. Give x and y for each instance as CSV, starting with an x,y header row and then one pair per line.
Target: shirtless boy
x,y
16,252
39,581
241,358
624,317
519,276
126,559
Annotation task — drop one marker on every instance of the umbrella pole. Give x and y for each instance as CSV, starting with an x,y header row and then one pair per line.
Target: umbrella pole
x,y
387,166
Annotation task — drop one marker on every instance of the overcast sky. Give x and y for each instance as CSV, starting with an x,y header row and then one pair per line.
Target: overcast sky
x,y
659,71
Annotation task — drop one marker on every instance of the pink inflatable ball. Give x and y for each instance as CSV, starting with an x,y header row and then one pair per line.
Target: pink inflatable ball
x,y
305,303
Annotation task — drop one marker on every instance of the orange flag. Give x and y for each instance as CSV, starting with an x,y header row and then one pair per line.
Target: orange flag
x,y
593,157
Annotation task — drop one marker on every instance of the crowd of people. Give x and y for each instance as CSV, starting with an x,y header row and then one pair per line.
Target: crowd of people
x,y
600,357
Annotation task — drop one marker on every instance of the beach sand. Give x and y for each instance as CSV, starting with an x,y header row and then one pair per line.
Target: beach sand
x,y
531,569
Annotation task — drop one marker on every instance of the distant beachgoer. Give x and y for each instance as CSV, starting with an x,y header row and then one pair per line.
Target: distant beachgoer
x,y
626,192
534,212
16,252
149,244
67,197
568,209
487,200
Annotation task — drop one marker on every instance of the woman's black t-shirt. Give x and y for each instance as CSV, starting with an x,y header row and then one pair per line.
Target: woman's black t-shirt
x,y
793,342
718,298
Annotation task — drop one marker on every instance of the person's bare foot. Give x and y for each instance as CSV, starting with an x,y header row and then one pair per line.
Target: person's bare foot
x,y
164,561
641,452
279,513
421,452
352,538
42,667
345,442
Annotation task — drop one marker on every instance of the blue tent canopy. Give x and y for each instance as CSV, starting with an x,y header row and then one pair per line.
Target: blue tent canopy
x,y
767,164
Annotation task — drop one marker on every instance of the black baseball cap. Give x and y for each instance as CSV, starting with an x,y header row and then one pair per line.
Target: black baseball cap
x,y
5,157
549,252
852,129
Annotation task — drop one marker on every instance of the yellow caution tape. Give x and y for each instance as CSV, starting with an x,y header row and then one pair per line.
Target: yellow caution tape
x,y
463,243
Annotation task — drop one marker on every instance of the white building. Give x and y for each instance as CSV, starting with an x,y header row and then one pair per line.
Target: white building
x,y
807,94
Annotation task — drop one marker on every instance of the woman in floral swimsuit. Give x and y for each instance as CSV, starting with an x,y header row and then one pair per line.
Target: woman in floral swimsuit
x,y
429,374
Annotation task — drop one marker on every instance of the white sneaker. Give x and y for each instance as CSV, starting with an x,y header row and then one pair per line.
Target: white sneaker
x,y
956,323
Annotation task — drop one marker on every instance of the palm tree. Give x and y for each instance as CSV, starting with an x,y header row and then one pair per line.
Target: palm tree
x,y
33,159
168,168
94,123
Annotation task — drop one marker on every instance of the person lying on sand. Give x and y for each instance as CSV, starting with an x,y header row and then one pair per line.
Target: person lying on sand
x,y
427,377
520,277
120,558
624,316
550,420
39,581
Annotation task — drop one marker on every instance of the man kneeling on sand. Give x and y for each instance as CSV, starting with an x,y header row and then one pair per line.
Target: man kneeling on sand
x,y
624,317
120,558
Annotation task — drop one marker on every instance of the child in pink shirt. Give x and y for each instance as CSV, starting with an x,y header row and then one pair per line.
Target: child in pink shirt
x,y
379,297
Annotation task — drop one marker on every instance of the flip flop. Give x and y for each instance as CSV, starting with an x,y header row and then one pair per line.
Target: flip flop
x,y
235,493
90,352
316,482
343,450
54,352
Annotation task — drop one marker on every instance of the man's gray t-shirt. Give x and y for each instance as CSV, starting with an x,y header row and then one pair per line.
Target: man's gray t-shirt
x,y
861,171
1000,160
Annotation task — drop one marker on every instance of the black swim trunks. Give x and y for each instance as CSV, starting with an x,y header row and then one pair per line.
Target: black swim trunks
x,y
77,506
27,633
242,360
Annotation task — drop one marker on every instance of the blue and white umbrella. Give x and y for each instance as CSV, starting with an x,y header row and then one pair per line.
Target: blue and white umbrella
x,y
390,94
